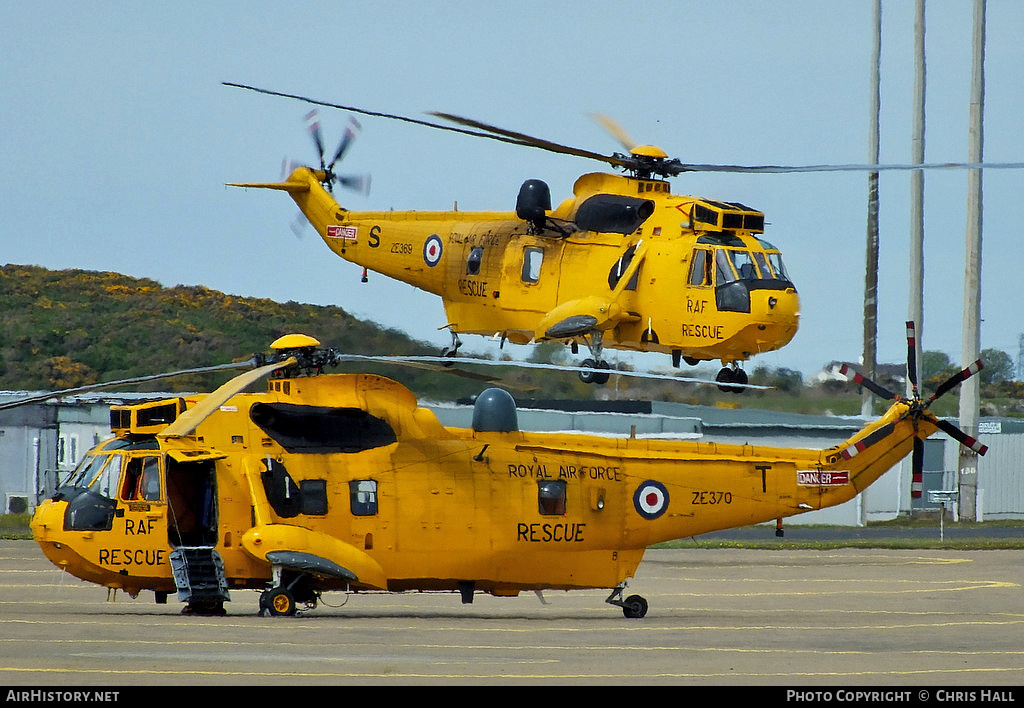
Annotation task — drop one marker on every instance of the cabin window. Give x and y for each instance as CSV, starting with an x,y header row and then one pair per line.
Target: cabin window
x,y
620,267
551,497
700,267
363,497
141,479
281,490
313,493
476,255
532,259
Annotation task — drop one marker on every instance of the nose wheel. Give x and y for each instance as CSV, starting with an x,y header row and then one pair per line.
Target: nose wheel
x,y
277,602
289,589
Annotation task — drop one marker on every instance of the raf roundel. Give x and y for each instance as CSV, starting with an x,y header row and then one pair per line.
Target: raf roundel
x,y
432,250
650,499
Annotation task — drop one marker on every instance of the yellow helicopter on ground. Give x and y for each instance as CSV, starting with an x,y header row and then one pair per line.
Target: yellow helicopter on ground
x,y
342,482
621,264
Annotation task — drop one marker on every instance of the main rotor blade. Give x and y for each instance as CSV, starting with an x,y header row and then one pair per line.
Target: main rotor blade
x,y
960,436
783,169
529,140
866,442
535,365
917,465
376,114
955,379
617,131
912,356
867,383
123,382
191,418
669,168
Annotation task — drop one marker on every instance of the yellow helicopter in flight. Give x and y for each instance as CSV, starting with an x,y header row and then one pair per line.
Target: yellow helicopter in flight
x,y
343,482
622,264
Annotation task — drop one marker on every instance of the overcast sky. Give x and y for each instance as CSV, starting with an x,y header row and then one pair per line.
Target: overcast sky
x,y
118,137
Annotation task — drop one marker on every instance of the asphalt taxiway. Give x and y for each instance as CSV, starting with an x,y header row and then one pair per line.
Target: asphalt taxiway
x,y
850,617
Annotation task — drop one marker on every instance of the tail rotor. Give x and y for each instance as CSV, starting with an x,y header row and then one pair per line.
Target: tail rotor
x,y
356,183
359,183
917,410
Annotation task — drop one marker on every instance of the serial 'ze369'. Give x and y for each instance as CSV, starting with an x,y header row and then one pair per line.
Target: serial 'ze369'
x,y
342,482
622,264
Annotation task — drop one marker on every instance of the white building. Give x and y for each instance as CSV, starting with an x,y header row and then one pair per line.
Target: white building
x,y
40,443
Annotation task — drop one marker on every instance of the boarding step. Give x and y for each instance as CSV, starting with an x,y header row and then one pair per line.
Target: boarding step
x,y
199,574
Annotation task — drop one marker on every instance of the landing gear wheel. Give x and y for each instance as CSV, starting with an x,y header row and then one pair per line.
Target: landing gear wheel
x,y
277,602
739,376
634,607
599,376
724,377
449,353
729,375
588,377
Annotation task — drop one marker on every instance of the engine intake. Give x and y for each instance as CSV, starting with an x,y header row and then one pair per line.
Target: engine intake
x,y
613,213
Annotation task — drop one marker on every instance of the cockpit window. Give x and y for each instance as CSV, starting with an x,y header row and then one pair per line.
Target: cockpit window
x,y
700,267
723,267
744,265
775,258
86,471
100,473
780,270
762,264
108,478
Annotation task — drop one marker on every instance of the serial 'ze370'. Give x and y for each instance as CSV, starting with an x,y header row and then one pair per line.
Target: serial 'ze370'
x,y
342,482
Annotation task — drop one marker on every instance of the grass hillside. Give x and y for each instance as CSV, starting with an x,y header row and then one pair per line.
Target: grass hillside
x,y
62,329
